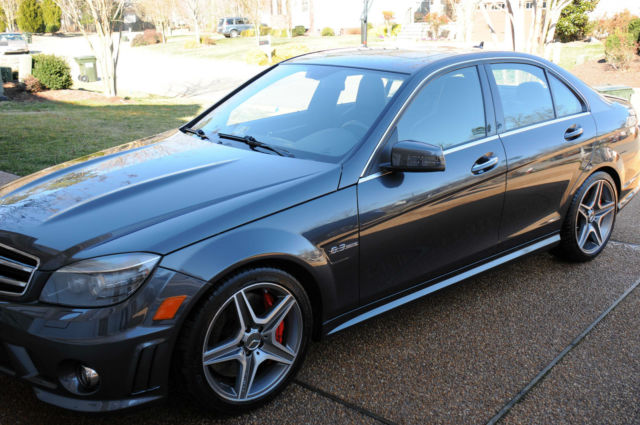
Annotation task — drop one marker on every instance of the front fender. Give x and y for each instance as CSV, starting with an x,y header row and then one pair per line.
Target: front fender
x,y
303,235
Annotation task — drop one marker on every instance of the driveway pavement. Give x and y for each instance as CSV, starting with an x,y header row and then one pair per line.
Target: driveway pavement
x,y
144,71
539,340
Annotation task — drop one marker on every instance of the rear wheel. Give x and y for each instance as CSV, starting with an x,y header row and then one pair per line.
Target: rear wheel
x,y
233,33
590,219
243,345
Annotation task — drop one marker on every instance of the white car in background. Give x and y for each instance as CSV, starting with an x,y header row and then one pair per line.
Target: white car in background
x,y
13,42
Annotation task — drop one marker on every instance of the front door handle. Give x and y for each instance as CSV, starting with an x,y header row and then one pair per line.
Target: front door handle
x,y
573,133
484,164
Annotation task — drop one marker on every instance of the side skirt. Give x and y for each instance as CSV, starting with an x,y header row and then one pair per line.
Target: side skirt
x,y
447,282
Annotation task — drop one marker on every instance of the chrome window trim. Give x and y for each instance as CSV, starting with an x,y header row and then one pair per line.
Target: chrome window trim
x,y
447,282
33,272
470,144
542,124
478,61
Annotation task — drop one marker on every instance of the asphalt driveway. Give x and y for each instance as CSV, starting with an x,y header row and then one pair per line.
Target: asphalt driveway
x,y
535,341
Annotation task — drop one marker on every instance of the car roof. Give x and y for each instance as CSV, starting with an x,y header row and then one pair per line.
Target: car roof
x,y
399,60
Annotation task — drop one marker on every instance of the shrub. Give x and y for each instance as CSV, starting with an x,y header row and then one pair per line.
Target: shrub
x,y
3,18
151,37
146,38
138,40
298,31
608,26
32,84
256,57
29,17
634,30
395,29
619,49
190,44
51,15
328,32
275,32
265,30
52,71
288,51
206,40
248,33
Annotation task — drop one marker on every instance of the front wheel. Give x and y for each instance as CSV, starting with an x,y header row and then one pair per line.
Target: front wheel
x,y
589,222
246,341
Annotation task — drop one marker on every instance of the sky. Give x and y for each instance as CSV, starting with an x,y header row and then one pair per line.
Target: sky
x,y
611,7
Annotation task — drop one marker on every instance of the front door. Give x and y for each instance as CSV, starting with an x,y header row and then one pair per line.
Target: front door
x,y
415,226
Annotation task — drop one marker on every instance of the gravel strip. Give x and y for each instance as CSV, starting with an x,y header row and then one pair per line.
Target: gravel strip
x,y
597,383
459,355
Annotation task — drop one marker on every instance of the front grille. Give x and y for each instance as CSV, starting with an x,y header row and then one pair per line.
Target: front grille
x,y
16,270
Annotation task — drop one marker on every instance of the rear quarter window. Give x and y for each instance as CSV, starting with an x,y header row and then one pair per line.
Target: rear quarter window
x,y
524,94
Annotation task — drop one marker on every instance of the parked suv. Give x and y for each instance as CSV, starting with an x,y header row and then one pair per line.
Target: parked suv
x,y
232,27
13,43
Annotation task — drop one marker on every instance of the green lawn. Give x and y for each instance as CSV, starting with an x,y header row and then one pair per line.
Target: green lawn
x,y
36,135
578,52
236,48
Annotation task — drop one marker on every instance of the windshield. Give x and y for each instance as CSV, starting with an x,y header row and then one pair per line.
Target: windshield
x,y
312,111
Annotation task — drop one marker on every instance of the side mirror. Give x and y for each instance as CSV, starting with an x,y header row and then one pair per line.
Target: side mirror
x,y
408,155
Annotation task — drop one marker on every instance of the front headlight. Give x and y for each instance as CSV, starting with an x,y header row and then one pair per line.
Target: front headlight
x,y
99,281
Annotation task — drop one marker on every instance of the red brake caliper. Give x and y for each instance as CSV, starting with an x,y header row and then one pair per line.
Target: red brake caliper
x,y
268,303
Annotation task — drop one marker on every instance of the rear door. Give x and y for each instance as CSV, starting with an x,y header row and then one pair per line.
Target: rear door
x,y
546,131
415,226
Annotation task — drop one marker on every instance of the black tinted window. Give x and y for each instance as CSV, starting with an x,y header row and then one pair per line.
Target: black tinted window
x,y
566,102
524,94
447,111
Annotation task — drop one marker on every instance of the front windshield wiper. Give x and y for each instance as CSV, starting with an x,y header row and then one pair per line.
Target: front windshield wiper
x,y
199,132
253,143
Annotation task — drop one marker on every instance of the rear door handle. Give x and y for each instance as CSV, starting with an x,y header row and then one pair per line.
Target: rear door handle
x,y
573,132
484,164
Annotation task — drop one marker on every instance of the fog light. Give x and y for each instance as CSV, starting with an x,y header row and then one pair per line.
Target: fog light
x,y
88,377
79,379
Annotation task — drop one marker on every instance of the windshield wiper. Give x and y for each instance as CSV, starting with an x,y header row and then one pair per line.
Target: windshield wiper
x,y
253,143
199,132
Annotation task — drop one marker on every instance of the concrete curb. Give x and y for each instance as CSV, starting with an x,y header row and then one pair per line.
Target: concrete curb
x,y
6,178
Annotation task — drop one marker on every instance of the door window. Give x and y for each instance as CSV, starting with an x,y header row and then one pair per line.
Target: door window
x,y
567,103
524,94
448,111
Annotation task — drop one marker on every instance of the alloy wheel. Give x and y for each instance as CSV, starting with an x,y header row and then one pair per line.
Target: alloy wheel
x,y
252,342
596,214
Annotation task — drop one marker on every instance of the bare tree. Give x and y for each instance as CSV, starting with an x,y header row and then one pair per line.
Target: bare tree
x,y
103,16
251,8
543,26
10,8
195,11
159,12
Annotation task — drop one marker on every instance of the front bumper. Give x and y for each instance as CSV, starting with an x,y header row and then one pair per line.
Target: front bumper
x,y
41,343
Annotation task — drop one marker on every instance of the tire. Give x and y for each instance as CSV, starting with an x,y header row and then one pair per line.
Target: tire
x,y
249,363
590,219
233,33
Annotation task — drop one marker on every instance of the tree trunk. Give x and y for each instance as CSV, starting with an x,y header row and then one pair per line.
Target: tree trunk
x,y
197,28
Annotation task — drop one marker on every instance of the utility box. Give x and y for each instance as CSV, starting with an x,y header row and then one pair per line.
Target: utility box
x,y
88,72
620,91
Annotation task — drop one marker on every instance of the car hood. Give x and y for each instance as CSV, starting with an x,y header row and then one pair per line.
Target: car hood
x,y
157,194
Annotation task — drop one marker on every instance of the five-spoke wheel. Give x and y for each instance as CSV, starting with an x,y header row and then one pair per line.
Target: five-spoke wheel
x,y
252,341
590,219
246,341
